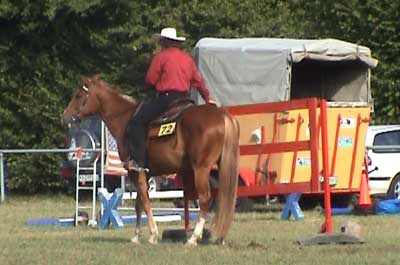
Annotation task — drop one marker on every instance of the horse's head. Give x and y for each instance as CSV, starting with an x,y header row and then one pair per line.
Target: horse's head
x,y
84,102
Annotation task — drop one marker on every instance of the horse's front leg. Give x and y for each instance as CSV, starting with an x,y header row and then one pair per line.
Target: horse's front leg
x,y
143,196
138,209
202,184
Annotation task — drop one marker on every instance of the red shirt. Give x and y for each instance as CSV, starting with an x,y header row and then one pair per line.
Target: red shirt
x,y
174,70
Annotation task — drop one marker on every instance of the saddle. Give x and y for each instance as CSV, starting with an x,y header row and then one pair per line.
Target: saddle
x,y
165,124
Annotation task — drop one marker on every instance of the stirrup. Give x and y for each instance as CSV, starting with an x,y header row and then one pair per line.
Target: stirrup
x,y
138,169
131,165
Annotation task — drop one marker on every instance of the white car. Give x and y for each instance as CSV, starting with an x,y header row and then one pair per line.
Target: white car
x,y
383,150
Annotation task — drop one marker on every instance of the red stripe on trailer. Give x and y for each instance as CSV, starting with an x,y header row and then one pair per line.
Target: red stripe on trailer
x,y
274,148
272,189
271,107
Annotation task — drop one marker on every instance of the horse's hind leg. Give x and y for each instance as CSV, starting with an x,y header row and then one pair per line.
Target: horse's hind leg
x,y
143,196
138,209
202,184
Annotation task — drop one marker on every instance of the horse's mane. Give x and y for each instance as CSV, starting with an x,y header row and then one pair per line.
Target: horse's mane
x,y
114,89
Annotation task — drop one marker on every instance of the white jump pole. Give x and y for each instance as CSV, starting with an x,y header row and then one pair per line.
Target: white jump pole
x,y
2,182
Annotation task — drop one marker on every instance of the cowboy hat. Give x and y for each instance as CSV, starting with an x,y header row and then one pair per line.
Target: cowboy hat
x,y
168,33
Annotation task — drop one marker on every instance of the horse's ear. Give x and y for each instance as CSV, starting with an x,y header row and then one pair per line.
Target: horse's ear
x,y
85,80
96,77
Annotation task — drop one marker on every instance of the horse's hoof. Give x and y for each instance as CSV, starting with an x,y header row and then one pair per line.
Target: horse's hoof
x,y
135,240
153,240
192,242
220,241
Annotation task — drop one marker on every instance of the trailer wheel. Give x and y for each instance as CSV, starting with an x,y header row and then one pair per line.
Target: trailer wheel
x,y
343,200
308,202
244,204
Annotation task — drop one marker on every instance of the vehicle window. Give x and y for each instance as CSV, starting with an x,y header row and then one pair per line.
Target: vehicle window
x,y
92,124
391,138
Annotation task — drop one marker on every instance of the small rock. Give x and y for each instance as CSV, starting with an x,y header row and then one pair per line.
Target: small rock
x,y
351,228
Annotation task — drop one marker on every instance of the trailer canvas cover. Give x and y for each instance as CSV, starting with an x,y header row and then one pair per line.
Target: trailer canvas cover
x,y
255,70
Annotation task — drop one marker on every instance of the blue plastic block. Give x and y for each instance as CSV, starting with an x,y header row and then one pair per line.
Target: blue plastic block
x,y
388,207
52,222
292,207
110,204
133,219
342,211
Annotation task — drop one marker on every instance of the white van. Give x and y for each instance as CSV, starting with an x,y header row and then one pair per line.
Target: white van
x,y
383,150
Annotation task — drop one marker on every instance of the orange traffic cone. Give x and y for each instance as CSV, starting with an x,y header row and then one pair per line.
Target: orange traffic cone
x,y
364,200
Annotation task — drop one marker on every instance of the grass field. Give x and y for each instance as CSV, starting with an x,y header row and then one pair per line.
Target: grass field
x,y
258,237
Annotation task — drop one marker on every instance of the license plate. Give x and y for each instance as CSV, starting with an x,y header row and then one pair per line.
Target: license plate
x,y
87,177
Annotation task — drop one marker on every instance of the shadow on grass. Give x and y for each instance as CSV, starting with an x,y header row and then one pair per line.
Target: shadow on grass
x,y
251,245
97,239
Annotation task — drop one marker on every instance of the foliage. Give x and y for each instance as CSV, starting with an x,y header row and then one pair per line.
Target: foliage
x,y
372,23
47,45
45,48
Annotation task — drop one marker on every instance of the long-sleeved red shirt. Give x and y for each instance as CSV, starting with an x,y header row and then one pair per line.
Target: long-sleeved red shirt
x,y
174,70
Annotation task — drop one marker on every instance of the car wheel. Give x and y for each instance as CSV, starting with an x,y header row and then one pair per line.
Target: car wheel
x,y
394,190
82,138
153,184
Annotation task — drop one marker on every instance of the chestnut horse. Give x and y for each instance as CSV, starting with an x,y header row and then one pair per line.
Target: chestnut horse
x,y
205,135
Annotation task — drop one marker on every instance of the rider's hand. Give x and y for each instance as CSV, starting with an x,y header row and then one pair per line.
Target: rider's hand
x,y
211,101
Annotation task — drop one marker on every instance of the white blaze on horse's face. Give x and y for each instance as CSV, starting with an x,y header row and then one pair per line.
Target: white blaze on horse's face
x,y
83,107
78,106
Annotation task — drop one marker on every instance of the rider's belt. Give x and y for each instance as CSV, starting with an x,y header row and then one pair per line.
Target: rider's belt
x,y
171,93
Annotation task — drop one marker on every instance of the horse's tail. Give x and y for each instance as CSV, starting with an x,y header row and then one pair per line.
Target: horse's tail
x,y
228,178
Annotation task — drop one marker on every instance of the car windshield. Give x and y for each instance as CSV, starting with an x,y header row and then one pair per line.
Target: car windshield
x,y
390,139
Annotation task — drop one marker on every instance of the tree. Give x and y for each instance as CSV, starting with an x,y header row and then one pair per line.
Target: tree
x,y
47,45
373,23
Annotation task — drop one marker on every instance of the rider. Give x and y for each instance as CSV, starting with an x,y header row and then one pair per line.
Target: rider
x,y
172,73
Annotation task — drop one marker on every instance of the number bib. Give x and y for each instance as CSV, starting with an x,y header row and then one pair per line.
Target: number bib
x,y
162,130
167,129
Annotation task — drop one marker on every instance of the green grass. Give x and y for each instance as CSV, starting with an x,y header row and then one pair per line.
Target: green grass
x,y
255,238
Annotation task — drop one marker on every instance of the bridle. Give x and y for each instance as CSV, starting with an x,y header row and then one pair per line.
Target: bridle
x,y
75,118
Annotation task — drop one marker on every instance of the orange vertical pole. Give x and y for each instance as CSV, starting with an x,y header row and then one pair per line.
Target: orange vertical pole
x,y
260,159
355,149
276,130
314,136
299,121
336,145
357,136
325,162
